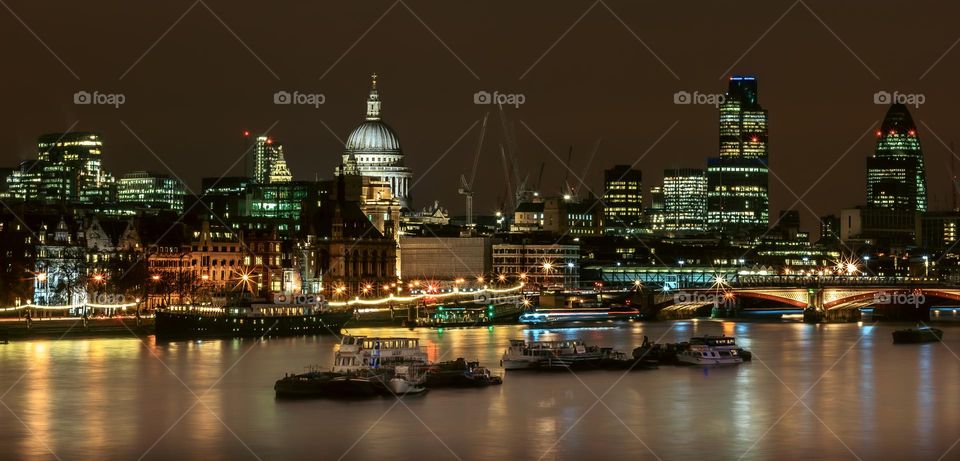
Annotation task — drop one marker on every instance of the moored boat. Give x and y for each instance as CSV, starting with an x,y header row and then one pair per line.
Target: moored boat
x,y
545,316
405,381
460,373
920,335
254,320
570,353
710,351
329,384
363,367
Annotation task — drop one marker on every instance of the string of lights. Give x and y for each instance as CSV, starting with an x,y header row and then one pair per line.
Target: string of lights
x,y
393,298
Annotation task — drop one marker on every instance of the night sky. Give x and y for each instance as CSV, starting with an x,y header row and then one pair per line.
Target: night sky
x,y
190,94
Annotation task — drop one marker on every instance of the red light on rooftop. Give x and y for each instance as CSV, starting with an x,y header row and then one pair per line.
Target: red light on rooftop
x,y
912,132
879,133
269,141
893,132
246,133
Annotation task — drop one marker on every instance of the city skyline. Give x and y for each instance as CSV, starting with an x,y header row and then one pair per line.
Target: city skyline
x,y
608,229
562,112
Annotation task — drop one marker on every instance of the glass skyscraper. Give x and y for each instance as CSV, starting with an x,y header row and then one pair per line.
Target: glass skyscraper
x,y
738,180
151,190
266,164
685,200
896,178
67,170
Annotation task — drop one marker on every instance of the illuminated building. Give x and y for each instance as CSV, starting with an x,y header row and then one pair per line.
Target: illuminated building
x,y
151,190
939,230
373,149
60,267
528,217
738,180
67,170
574,218
445,258
896,178
282,201
622,199
545,265
684,200
877,226
653,217
374,196
343,249
266,164
225,196
829,228
421,222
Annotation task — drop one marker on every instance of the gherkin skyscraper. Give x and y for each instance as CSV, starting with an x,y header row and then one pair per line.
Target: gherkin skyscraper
x,y
896,178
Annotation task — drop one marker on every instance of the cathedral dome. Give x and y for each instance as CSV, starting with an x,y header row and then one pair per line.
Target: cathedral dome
x,y
373,136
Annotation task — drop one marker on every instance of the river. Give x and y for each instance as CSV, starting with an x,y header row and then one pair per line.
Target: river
x,y
828,391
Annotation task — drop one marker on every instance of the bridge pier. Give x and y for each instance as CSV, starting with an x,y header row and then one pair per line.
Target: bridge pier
x,y
812,315
843,315
814,312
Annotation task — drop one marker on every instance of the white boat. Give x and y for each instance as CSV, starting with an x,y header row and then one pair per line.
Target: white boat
x,y
406,381
522,355
360,353
708,351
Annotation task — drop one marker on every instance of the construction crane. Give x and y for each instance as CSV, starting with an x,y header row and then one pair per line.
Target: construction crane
x,y
466,187
540,176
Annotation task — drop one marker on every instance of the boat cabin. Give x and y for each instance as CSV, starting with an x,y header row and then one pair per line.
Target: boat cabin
x,y
358,353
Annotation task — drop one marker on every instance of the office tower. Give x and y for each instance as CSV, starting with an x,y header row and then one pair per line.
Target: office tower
x,y
684,200
653,217
265,162
622,198
151,190
896,178
737,180
67,170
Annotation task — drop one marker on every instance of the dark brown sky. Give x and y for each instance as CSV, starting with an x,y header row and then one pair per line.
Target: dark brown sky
x,y
193,93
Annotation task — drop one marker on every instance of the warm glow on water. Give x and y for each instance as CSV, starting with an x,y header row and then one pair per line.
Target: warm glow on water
x,y
860,395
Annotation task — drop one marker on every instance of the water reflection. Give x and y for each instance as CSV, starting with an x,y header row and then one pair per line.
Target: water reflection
x,y
118,397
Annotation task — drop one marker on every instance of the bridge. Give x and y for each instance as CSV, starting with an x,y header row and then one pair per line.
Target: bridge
x,y
689,291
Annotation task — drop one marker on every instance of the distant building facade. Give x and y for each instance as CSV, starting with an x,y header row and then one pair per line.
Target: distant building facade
x,y
622,199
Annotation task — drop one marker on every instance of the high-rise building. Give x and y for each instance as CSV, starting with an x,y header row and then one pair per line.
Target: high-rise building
x,y
738,180
373,149
829,228
685,200
653,216
266,164
151,190
622,198
68,169
896,178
